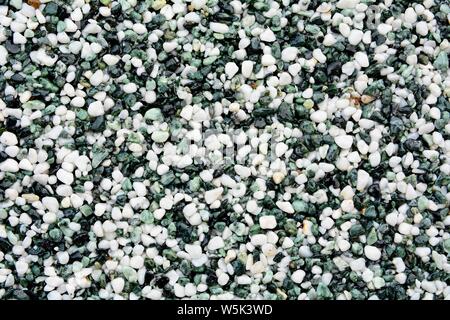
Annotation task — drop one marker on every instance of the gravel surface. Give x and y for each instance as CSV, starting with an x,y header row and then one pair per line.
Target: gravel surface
x,y
205,149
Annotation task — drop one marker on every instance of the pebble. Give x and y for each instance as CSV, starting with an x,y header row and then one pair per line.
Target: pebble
x,y
285,206
207,149
216,243
9,165
231,69
8,138
118,285
267,36
267,222
372,253
218,27
410,15
298,276
247,68
355,37
361,58
422,28
319,116
64,176
289,54
344,141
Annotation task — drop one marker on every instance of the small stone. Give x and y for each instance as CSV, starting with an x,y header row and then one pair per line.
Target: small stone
x,y
298,276
372,253
361,58
289,54
95,109
118,284
231,69
96,78
213,195
422,28
267,36
278,177
285,206
64,176
218,27
410,15
318,116
268,60
9,165
247,68
8,138
267,222
344,142
160,136
355,37
216,243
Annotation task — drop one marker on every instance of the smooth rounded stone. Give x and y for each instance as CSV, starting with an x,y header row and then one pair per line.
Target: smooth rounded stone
x,y
423,251
21,267
242,171
96,109
65,176
358,264
422,28
9,165
96,78
77,102
267,36
50,203
355,37
298,276
192,17
166,203
160,136
280,149
363,181
231,69
216,243
278,177
267,222
384,28
109,226
247,68
213,195
118,284
259,239
185,161
289,54
8,138
410,15
129,88
136,262
268,60
372,253
3,55
319,56
194,251
318,116
207,148
362,59
219,27
154,114
285,206
223,279
110,59
347,4
348,68
347,193
344,141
